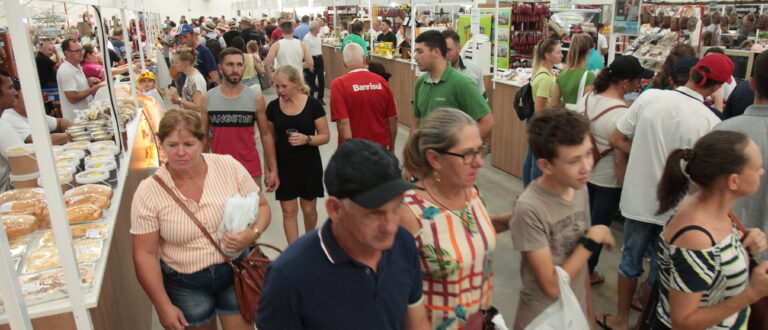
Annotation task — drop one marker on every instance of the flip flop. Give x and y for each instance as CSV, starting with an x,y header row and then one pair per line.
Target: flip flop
x,y
601,321
596,278
637,304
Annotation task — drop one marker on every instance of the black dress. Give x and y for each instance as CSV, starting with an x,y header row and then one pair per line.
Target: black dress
x,y
299,169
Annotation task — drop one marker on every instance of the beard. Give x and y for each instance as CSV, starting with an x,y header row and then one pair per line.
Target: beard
x,y
234,78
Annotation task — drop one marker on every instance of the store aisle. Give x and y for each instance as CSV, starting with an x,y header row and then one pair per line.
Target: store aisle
x,y
499,190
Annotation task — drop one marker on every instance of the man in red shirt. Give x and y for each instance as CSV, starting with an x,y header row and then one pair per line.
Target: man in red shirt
x,y
276,34
362,103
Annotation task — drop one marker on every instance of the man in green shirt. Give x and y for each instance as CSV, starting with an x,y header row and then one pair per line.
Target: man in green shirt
x,y
356,29
443,86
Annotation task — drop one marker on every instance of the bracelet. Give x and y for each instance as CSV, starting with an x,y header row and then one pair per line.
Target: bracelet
x,y
590,244
256,232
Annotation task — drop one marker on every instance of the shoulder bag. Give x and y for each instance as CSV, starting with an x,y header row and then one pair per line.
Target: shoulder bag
x,y
758,317
596,154
248,273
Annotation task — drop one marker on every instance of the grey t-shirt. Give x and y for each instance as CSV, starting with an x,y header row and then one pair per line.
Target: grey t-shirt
x,y
753,210
543,219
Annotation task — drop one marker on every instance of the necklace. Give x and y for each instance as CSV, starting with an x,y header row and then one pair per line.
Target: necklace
x,y
462,213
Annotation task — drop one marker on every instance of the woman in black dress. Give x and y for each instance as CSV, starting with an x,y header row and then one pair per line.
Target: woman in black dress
x,y
298,126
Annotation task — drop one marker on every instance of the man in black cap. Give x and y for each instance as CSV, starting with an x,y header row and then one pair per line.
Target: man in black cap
x,y
361,269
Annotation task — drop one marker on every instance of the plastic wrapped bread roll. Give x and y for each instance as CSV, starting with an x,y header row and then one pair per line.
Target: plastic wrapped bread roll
x,y
47,257
83,213
96,189
22,194
18,246
92,199
19,225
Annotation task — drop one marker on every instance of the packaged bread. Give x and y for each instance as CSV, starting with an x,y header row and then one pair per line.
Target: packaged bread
x,y
83,213
90,189
94,230
50,284
18,246
35,206
19,225
47,257
21,194
90,199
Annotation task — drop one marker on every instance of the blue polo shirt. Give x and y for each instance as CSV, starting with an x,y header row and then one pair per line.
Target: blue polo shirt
x,y
314,284
205,61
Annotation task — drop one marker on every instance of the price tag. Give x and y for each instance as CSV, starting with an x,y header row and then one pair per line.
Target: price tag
x,y
7,207
93,233
84,250
31,287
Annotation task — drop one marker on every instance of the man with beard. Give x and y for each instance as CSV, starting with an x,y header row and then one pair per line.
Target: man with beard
x,y
231,114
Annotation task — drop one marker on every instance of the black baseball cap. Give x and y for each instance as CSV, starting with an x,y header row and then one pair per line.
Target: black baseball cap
x,y
628,67
682,67
366,173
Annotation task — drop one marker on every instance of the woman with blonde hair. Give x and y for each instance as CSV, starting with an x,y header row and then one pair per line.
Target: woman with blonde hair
x,y
296,128
548,53
575,81
455,235
185,276
193,95
253,65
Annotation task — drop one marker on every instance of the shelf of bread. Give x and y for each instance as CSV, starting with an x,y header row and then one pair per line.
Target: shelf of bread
x,y
92,200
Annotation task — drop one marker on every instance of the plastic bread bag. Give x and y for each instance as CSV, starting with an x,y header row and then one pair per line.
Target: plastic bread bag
x,y
239,213
565,313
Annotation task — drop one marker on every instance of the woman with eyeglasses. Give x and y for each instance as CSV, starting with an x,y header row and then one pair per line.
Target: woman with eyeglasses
x,y
455,235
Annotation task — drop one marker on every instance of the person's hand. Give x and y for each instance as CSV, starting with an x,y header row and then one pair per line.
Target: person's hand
x,y
171,318
758,282
238,242
312,69
500,222
297,139
271,181
601,234
93,81
754,241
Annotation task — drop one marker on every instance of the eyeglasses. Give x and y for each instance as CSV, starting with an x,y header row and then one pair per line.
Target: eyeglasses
x,y
469,156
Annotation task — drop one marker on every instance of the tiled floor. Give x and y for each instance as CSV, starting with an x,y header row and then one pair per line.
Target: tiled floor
x,y
499,190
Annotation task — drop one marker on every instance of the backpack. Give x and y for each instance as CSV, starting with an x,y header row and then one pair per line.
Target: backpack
x,y
596,154
524,104
214,45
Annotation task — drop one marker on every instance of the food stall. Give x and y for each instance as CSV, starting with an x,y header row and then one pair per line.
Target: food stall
x,y
66,259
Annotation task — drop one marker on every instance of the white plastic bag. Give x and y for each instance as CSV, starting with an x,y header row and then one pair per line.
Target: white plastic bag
x,y
565,313
239,213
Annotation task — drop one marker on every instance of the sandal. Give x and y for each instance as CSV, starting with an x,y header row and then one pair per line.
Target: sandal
x,y
602,321
596,278
637,304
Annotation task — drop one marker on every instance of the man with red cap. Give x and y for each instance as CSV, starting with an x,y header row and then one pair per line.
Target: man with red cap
x,y
658,122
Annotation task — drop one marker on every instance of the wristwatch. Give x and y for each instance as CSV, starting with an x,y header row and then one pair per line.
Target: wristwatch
x,y
309,140
590,244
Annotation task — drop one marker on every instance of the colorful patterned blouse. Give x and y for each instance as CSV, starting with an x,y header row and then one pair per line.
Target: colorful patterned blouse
x,y
457,279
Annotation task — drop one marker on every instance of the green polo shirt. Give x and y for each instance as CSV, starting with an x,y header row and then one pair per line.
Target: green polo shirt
x,y
452,90
356,38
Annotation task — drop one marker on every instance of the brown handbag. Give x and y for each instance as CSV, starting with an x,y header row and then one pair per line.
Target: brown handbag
x,y
248,273
758,317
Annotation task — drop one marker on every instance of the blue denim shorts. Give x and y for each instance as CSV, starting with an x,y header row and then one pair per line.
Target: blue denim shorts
x,y
203,294
639,237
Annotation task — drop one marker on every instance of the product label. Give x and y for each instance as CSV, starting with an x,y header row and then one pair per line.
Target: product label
x,y
31,287
93,233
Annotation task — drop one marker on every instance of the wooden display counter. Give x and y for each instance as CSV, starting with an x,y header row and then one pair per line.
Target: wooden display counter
x,y
509,136
116,300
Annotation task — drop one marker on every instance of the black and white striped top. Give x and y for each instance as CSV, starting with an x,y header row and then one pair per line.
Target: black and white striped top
x,y
720,272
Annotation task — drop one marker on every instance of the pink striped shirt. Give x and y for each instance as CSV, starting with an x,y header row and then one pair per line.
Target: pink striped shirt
x,y
183,246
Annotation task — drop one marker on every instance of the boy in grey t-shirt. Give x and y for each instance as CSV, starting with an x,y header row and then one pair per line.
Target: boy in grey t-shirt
x,y
551,224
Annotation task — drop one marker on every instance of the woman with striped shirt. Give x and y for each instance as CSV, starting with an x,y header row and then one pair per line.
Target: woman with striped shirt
x,y
703,258
455,235
183,273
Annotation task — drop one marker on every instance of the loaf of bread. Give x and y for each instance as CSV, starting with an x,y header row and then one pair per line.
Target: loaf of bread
x,y
92,199
95,230
21,194
90,189
19,225
83,213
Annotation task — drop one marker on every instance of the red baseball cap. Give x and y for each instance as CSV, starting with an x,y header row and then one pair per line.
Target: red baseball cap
x,y
718,68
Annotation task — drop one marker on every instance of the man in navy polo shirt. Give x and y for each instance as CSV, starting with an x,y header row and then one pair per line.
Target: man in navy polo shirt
x,y
361,269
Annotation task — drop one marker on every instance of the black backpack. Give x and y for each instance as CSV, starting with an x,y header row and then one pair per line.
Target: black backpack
x,y
214,45
524,105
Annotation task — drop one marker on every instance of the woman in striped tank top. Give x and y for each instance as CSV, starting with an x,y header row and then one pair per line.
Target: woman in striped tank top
x,y
703,258
455,235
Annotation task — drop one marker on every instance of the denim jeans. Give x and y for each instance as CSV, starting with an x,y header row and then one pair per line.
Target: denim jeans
x,y
603,205
531,171
640,237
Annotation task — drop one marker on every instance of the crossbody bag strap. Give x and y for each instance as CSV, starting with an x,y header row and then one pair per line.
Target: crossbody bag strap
x,y
191,215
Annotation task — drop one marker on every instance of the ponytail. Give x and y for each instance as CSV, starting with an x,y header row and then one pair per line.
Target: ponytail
x,y
717,154
674,183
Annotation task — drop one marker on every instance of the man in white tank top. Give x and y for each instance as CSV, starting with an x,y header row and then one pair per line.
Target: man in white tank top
x,y
288,51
